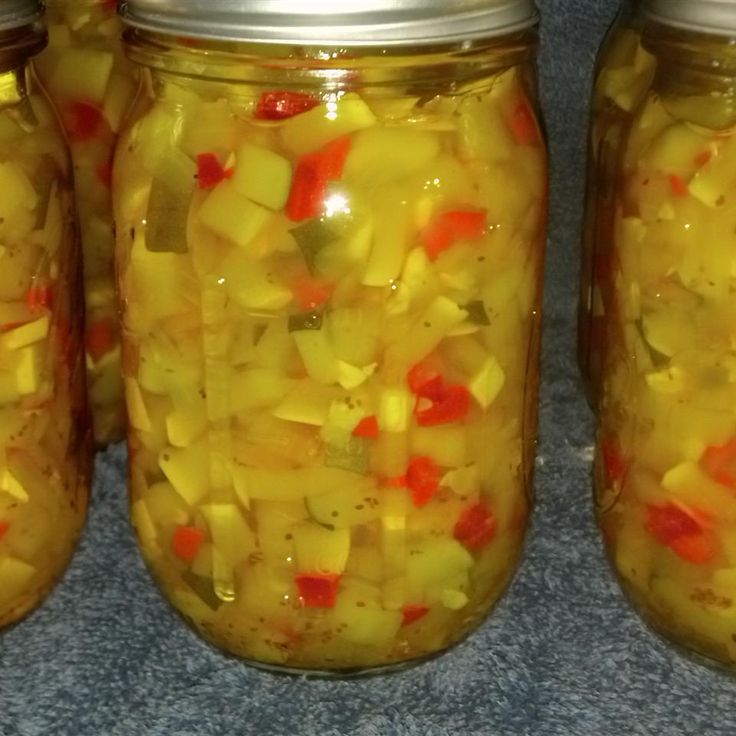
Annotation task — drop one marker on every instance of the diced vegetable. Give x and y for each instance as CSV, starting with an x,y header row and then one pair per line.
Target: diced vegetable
x,y
476,527
283,105
317,590
186,542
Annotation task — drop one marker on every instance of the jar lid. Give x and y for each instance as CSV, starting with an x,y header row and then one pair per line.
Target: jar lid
x,y
17,13
333,22
708,16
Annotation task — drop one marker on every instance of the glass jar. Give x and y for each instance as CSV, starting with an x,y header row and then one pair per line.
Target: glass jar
x,y
330,265
44,437
92,84
624,70
666,465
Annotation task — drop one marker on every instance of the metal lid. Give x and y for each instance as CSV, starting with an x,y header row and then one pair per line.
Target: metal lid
x,y
708,16
17,13
333,22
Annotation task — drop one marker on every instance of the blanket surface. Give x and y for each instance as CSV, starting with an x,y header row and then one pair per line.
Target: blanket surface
x,y
563,655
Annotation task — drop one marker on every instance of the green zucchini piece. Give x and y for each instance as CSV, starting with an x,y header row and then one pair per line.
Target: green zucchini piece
x,y
353,456
313,236
305,321
477,312
344,507
204,589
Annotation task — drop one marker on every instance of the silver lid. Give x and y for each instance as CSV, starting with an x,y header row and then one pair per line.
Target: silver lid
x,y
333,22
708,16
17,13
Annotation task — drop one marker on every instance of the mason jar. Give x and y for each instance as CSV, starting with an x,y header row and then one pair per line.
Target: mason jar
x,y
623,73
92,84
666,467
330,243
44,437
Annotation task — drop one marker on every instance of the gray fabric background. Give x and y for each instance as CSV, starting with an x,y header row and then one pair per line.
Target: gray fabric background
x,y
563,655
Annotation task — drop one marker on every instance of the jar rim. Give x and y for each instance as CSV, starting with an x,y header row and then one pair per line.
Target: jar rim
x,y
19,13
717,17
341,23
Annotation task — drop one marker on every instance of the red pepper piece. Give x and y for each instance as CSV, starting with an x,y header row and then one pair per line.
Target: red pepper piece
x,y
452,406
317,590
314,171
283,105
99,338
308,190
39,297
523,125
423,480
476,527
425,383
720,463
4,526
467,224
367,427
449,227
668,523
311,293
680,531
412,613
698,549
333,157
84,120
614,462
186,542
678,185
210,172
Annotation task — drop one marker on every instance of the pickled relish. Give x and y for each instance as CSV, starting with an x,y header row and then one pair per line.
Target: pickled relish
x,y
667,435
330,308
44,447
92,85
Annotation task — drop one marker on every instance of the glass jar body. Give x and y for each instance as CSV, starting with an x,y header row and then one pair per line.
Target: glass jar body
x,y
330,274
624,70
44,433
664,472
92,84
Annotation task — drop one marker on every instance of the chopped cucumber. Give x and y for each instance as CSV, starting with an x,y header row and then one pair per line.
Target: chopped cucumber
x,y
167,217
187,470
351,456
361,620
317,127
262,175
307,403
231,535
344,507
232,216
319,550
446,444
395,405
434,565
313,236
257,388
390,238
317,355
487,383
382,155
